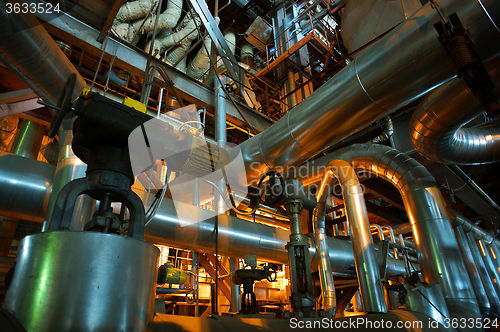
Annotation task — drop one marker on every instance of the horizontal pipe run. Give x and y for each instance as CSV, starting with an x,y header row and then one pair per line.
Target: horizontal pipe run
x,y
24,199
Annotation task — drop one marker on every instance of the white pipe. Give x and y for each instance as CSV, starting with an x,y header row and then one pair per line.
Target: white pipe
x,y
200,63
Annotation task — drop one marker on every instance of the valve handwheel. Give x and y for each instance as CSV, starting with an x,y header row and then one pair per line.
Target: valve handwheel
x,y
270,198
63,105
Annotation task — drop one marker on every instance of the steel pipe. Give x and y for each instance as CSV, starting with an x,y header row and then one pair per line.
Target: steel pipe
x,y
409,62
329,299
458,219
472,270
491,292
25,184
28,140
29,52
436,126
365,258
438,252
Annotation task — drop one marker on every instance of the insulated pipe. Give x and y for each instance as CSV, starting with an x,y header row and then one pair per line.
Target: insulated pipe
x,y
438,252
28,51
134,10
361,237
329,300
436,126
246,54
409,62
200,63
490,265
167,20
472,270
28,140
186,33
491,292
458,219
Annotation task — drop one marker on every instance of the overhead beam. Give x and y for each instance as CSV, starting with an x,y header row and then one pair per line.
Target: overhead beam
x,y
134,60
16,96
19,107
109,20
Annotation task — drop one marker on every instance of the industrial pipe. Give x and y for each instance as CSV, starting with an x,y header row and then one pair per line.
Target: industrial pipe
x,y
69,167
237,237
329,300
29,52
491,292
478,233
472,270
25,183
409,62
438,252
365,257
436,126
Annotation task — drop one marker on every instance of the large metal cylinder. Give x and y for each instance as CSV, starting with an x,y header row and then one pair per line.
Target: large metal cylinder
x,y
83,281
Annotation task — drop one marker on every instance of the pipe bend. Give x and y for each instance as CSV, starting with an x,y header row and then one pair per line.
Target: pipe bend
x,y
437,126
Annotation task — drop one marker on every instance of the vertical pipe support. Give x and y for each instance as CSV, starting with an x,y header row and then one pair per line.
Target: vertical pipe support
x,y
324,265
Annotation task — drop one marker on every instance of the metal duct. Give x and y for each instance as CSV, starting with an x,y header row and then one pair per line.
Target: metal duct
x,y
25,184
238,238
167,20
365,20
402,66
186,33
438,252
458,219
475,278
133,10
436,126
361,236
30,53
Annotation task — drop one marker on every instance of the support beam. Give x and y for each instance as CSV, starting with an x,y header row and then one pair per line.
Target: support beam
x,y
223,284
19,107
